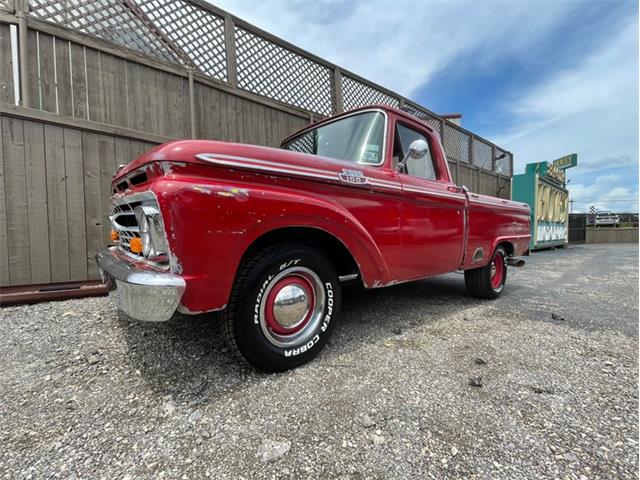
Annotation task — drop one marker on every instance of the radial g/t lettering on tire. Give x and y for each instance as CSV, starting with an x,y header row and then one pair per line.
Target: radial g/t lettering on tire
x,y
283,307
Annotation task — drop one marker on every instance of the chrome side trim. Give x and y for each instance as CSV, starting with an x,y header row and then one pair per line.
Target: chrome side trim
x,y
263,166
432,192
277,167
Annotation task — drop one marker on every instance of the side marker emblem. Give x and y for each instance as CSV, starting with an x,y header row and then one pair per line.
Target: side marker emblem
x,y
355,177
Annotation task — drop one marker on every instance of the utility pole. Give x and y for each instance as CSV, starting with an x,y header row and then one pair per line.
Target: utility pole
x,y
571,206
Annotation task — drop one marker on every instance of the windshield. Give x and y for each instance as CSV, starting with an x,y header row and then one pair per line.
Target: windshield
x,y
358,138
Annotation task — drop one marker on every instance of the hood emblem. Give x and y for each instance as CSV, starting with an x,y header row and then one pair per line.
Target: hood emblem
x,y
355,177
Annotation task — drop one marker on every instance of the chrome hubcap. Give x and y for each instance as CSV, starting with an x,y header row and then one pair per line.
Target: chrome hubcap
x,y
291,306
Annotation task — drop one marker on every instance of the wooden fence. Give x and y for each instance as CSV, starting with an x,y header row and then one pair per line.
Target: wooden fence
x,y
78,98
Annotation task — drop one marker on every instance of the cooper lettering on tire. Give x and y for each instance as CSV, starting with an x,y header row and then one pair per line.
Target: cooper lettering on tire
x,y
283,307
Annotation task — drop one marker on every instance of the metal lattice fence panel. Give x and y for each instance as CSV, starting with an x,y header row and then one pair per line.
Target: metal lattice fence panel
x,y
303,144
357,94
197,32
107,19
431,120
503,162
456,143
6,5
482,154
268,69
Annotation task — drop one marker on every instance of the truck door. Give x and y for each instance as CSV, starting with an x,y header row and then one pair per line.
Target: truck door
x,y
433,209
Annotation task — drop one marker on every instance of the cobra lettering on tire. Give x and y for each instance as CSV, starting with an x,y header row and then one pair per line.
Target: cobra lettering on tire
x,y
283,307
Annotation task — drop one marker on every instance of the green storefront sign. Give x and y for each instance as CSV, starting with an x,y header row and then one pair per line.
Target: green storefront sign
x,y
543,188
566,162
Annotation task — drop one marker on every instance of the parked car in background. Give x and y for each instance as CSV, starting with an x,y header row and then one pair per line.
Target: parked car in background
x,y
606,219
268,236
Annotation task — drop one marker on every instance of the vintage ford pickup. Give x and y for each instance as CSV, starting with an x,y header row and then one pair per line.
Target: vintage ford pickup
x,y
268,235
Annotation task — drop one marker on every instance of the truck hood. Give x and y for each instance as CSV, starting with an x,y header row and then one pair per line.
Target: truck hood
x,y
208,152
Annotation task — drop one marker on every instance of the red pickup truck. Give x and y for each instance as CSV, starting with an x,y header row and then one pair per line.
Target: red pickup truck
x,y
268,235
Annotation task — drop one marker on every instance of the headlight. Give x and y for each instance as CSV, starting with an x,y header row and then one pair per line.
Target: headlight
x,y
151,231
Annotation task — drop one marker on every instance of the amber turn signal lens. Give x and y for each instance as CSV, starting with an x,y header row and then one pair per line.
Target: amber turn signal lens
x,y
114,236
136,245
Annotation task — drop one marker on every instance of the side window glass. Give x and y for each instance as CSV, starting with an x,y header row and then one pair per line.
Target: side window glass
x,y
423,167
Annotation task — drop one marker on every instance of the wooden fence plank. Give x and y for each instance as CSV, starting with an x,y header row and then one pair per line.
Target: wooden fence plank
x,y
47,73
107,156
57,201
114,97
93,198
34,155
63,78
32,70
75,204
7,93
94,86
134,95
135,149
79,80
16,201
122,151
4,250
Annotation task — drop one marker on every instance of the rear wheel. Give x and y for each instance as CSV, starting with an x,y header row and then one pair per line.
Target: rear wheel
x,y
283,307
488,281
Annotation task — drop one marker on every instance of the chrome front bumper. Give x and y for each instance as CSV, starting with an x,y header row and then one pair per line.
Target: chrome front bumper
x,y
145,295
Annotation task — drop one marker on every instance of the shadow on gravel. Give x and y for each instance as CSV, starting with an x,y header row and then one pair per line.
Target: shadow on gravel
x,y
187,358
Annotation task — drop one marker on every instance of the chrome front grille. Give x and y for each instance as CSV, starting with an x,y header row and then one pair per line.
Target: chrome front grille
x,y
123,221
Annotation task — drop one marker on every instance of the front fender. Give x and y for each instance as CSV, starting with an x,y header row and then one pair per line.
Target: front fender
x,y
210,224
330,217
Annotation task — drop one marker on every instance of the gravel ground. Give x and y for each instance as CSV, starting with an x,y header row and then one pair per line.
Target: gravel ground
x,y
87,393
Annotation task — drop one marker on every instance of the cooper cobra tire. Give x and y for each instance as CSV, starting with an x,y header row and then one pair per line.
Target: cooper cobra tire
x,y
488,282
283,307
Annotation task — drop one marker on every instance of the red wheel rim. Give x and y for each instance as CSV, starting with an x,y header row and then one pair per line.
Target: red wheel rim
x,y
270,317
497,270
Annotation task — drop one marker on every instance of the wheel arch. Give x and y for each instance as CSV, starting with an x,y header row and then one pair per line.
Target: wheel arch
x,y
342,258
508,246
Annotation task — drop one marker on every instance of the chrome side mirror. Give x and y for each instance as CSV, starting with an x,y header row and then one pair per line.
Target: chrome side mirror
x,y
417,150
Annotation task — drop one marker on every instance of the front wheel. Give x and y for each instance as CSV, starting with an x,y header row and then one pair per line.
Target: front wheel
x,y
488,282
283,307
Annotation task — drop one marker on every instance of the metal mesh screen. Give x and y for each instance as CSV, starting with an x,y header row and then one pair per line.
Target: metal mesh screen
x,y
198,32
304,143
456,143
357,94
276,72
6,5
482,154
503,163
432,121
108,19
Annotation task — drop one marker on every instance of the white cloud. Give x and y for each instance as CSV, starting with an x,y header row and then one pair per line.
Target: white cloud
x,y
592,110
603,196
402,44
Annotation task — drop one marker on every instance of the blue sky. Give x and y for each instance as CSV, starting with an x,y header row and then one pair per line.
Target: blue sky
x,y
541,78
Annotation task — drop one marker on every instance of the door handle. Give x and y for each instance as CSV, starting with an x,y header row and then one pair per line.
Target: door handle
x,y
455,189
